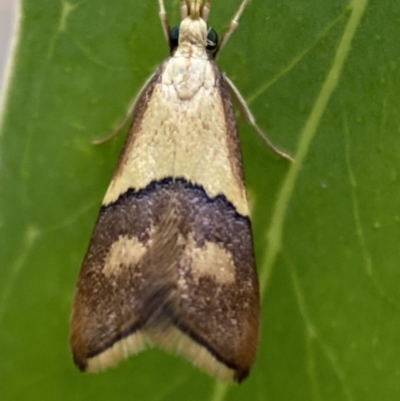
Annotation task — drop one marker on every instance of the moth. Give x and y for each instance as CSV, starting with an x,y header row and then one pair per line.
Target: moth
x,y
171,262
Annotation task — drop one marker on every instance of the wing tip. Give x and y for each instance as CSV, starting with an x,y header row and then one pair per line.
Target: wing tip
x,y
171,340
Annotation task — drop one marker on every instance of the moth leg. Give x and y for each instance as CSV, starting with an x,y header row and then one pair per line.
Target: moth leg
x,y
250,118
233,25
164,19
129,116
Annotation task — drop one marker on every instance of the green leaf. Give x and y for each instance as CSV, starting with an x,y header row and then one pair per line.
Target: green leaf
x,y
322,79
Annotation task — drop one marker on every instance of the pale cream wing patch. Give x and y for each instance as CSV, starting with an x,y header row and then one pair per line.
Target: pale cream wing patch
x,y
181,139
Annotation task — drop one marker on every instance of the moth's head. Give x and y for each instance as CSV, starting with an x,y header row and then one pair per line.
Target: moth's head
x,y
193,29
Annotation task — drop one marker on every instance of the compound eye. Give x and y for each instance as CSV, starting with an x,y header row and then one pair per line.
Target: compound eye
x,y
174,37
212,40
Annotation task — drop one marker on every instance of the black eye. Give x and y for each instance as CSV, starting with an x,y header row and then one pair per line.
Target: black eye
x,y
174,37
212,40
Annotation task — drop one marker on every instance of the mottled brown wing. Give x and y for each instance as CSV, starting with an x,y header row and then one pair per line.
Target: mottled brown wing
x,y
171,260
